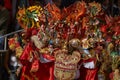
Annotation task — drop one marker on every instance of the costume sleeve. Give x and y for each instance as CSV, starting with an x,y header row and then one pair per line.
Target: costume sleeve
x,y
25,57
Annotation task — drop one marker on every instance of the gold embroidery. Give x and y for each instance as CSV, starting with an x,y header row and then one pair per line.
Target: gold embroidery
x,y
66,65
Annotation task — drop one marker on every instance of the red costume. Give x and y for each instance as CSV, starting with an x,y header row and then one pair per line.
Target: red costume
x,y
88,72
35,69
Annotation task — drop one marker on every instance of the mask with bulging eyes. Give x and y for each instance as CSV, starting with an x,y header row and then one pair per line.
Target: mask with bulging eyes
x,y
75,43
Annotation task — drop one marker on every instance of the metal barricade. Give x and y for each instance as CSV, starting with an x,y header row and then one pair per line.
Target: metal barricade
x,y
5,50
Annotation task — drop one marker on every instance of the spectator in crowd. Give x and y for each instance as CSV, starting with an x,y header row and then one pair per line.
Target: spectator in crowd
x,y
4,18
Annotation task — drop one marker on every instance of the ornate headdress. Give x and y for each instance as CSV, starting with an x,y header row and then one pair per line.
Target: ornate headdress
x,y
29,17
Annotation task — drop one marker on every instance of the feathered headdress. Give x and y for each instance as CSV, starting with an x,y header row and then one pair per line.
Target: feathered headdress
x,y
29,17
